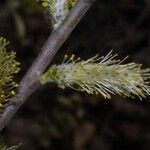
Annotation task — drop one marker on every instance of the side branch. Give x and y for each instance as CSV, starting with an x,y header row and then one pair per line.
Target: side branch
x,y
30,81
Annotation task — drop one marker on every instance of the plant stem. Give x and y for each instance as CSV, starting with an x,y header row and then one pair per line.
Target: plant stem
x,y
30,81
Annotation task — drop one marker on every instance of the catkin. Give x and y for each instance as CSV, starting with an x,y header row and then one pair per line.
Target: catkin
x,y
101,75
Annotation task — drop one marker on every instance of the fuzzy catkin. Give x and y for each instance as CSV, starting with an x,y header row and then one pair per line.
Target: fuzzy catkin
x,y
101,75
4,147
8,67
58,9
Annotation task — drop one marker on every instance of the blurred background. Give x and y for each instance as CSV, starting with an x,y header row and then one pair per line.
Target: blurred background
x,y
54,119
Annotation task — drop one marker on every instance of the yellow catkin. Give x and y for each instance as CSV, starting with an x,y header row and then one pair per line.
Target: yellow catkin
x,y
8,67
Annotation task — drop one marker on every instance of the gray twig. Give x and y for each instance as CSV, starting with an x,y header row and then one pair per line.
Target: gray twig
x,y
30,81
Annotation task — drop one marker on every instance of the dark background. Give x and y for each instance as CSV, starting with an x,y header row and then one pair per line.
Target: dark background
x,y
53,118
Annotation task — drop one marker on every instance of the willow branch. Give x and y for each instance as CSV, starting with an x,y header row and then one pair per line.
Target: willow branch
x,y
30,81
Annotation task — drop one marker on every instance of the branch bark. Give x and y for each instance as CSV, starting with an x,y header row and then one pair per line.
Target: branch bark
x,y
30,81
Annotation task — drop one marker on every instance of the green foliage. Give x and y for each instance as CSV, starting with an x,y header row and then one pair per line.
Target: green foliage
x,y
100,75
58,9
8,67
